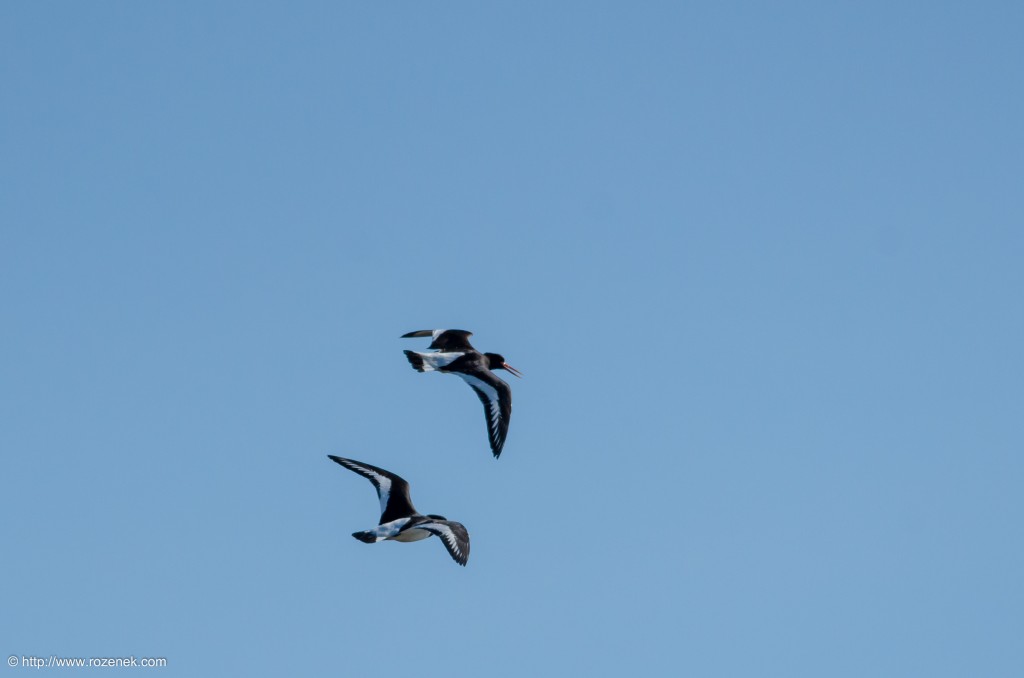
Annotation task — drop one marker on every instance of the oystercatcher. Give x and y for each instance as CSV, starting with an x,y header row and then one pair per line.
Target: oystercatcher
x,y
456,355
399,519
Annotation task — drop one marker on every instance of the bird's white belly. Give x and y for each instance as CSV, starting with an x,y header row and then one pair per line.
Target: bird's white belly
x,y
415,534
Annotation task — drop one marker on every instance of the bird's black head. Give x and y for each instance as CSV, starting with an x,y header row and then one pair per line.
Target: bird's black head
x,y
496,361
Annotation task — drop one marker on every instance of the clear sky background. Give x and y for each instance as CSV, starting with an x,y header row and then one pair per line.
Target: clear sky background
x,y
761,265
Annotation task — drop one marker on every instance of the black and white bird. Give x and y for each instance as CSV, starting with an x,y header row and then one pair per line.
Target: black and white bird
x,y
399,519
454,354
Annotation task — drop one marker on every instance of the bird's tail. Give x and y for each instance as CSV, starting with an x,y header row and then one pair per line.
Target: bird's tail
x,y
417,362
368,536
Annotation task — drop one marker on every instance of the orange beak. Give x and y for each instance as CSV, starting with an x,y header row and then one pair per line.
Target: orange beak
x,y
512,370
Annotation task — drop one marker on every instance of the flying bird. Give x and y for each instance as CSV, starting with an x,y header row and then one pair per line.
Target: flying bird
x,y
454,354
399,519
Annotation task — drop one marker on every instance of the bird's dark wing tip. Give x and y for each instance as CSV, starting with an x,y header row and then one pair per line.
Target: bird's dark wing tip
x,y
418,333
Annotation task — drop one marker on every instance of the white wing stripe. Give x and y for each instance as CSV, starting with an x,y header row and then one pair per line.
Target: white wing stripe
x,y
489,391
384,489
383,483
493,404
446,533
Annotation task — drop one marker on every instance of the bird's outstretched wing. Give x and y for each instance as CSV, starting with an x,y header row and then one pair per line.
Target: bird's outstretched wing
x,y
392,490
453,534
496,397
445,340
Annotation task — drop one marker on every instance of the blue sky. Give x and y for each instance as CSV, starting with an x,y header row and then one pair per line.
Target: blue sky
x,y
760,265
